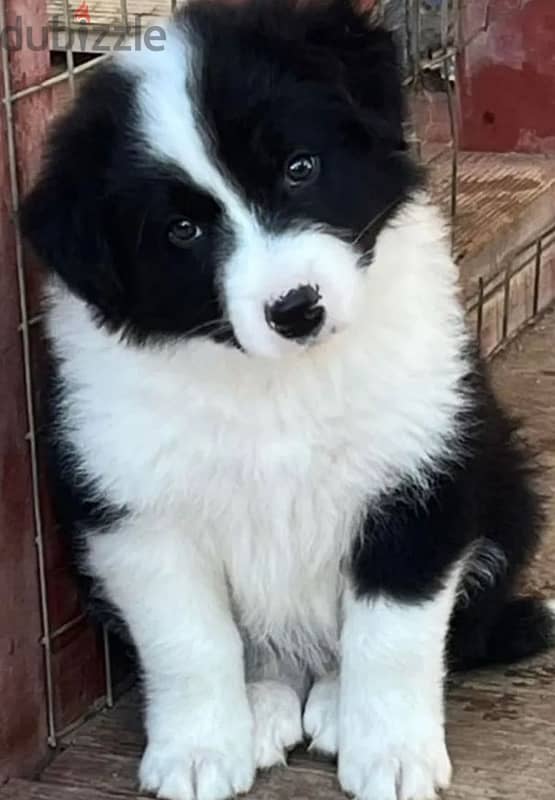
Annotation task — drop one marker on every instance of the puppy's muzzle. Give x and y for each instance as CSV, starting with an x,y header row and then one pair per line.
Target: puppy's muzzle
x,y
298,314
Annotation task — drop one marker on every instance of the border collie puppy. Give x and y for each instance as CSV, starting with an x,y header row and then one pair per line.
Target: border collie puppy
x,y
273,445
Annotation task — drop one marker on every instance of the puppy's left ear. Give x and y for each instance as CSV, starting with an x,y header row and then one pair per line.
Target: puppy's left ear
x,y
366,59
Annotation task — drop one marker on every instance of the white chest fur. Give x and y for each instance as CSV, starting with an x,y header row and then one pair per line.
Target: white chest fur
x,y
269,465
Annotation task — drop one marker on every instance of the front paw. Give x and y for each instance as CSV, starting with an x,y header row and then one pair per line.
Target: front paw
x,y
210,761
395,765
276,710
320,715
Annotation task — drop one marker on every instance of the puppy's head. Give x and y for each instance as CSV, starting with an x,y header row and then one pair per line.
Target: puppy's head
x,y
231,182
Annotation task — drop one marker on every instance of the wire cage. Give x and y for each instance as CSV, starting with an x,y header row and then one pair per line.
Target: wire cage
x,y
57,667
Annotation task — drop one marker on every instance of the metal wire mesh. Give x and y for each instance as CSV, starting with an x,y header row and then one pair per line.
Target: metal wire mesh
x,y
429,43
29,394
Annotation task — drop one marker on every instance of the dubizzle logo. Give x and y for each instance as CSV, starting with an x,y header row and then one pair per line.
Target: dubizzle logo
x,y
82,14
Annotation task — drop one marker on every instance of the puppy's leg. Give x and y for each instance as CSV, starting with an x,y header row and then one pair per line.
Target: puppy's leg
x,y
391,716
276,688
174,600
320,717
276,711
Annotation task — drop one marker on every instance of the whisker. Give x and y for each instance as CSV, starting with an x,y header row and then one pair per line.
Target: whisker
x,y
375,219
211,326
140,231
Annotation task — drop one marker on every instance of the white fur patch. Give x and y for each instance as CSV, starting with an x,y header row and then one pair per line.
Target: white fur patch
x,y
391,718
276,710
321,715
176,606
168,117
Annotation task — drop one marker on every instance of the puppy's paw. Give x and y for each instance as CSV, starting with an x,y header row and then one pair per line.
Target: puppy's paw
x,y
208,760
195,775
276,710
377,768
320,715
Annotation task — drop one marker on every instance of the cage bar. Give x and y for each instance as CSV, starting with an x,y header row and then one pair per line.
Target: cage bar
x,y
70,66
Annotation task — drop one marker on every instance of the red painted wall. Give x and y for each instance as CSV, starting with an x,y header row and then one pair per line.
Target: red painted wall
x,y
507,75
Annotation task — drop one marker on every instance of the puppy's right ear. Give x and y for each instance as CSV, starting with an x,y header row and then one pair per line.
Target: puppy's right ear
x,y
67,216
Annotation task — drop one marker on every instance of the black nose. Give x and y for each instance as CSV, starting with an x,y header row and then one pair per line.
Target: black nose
x,y
298,314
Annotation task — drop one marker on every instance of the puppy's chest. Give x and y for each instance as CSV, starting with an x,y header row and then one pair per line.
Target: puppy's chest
x,y
280,506
283,543
273,481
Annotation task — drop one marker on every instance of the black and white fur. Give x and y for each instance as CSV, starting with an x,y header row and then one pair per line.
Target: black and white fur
x,y
282,522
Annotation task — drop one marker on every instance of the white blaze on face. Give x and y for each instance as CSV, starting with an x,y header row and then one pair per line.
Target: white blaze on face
x,y
262,267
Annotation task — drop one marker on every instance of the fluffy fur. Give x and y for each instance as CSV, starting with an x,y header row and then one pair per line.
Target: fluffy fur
x,y
268,508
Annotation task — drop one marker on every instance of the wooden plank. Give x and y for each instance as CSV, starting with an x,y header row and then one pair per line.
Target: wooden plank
x,y
80,767
501,730
26,790
501,771
501,734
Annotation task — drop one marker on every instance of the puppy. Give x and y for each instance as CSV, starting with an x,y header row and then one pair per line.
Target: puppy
x,y
272,441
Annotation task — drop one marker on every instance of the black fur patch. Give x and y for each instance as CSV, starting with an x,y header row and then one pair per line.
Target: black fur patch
x,y
99,218
413,538
280,78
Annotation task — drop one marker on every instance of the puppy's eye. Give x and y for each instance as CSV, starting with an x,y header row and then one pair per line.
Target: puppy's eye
x,y
302,169
182,232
